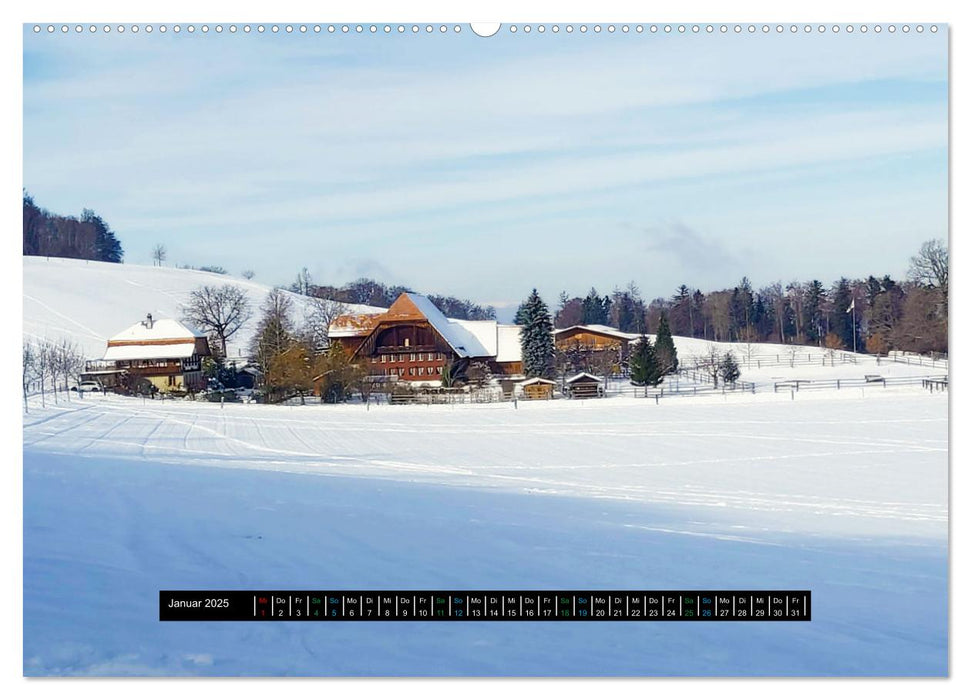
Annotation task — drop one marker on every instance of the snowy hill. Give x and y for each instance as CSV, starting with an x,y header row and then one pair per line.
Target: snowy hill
x,y
90,301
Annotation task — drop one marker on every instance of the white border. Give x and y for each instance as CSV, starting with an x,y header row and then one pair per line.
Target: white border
x,y
832,11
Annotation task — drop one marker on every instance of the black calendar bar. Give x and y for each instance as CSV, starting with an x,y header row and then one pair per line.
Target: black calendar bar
x,y
485,606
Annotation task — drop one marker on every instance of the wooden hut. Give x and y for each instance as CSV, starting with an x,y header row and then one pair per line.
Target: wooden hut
x,y
584,386
535,388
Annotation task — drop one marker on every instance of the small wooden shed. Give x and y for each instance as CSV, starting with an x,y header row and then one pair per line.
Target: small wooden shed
x,y
584,386
536,388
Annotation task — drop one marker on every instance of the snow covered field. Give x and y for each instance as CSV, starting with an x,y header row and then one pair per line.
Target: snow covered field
x,y
844,493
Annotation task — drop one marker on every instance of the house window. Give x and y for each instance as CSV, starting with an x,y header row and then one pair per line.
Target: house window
x,y
407,342
421,371
411,371
421,357
412,357
439,369
171,380
384,358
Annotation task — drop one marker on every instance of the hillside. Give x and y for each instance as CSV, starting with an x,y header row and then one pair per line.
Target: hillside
x,y
90,301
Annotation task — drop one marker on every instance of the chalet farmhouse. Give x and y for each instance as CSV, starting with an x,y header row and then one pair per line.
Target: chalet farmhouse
x,y
163,352
413,341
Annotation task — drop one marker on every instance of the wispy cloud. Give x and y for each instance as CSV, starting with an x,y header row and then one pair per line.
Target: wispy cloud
x,y
365,152
696,254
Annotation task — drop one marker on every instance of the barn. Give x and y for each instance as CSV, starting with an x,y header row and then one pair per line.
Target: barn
x,y
413,341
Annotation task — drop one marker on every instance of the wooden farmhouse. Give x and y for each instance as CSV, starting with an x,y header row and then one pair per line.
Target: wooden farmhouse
x,y
413,341
595,338
164,352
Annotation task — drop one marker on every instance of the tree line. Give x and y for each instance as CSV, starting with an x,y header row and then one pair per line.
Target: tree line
x,y
373,293
875,314
87,238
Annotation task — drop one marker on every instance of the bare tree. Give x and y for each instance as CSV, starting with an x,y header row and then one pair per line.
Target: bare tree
x,y
248,274
793,352
159,254
303,283
221,311
709,364
29,369
749,353
319,315
47,365
929,268
67,362
274,333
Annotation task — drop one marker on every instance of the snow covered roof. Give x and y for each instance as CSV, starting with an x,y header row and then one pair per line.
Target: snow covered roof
x,y
599,328
575,377
536,380
483,331
510,349
464,341
498,340
155,330
351,325
163,338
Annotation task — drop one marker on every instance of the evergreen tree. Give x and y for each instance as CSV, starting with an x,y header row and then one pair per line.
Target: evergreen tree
x,y
841,319
644,368
813,311
627,310
667,354
536,337
107,247
728,368
596,309
520,318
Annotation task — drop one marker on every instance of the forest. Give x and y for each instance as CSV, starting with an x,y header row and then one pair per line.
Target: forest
x,y
374,293
873,314
87,237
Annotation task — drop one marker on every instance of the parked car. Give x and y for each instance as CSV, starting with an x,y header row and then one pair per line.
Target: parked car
x,y
90,386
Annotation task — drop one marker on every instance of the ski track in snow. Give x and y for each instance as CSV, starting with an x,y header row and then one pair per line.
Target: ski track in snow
x,y
576,450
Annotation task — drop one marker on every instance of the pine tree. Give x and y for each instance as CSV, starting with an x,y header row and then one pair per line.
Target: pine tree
x,y
728,368
520,318
536,337
644,368
813,311
667,354
841,318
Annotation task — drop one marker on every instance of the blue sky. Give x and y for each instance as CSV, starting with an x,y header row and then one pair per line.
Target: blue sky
x,y
484,167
